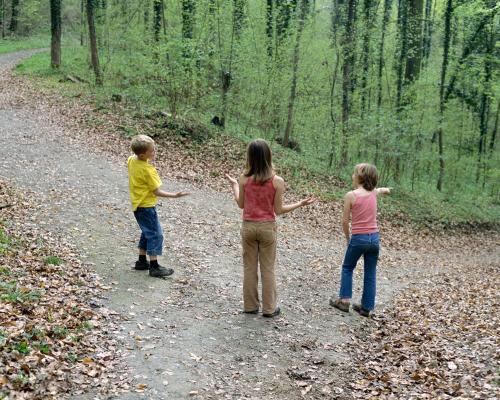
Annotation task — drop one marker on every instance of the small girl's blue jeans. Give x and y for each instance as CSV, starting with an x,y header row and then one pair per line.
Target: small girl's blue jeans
x,y
152,235
368,246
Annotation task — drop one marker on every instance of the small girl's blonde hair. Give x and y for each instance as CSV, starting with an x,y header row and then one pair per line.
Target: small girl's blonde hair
x,y
141,143
367,175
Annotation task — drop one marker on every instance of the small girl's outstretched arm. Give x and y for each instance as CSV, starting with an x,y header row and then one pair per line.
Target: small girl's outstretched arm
x,y
383,190
238,191
279,207
349,200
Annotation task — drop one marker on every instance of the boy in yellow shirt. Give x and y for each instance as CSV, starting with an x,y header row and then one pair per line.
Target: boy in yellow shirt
x,y
144,185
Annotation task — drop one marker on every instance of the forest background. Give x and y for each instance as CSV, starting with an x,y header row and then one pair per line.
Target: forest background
x,y
410,85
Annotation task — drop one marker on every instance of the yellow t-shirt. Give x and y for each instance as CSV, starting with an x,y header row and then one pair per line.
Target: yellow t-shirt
x,y
143,180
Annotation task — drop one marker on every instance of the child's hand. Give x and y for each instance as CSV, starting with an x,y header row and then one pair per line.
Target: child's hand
x,y
231,179
181,194
308,201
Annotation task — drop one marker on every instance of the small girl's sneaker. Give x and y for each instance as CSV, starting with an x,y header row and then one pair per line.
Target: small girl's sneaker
x,y
340,305
360,310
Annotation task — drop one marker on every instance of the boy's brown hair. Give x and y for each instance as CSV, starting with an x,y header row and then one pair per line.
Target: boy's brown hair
x,y
367,175
259,161
141,143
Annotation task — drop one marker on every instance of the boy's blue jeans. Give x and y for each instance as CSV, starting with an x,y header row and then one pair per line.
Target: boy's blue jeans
x,y
152,235
366,245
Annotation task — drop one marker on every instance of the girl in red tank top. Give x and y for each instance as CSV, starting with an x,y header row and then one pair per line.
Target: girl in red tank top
x,y
360,205
259,192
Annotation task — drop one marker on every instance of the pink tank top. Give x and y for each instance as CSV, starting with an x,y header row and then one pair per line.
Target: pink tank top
x,y
364,214
259,201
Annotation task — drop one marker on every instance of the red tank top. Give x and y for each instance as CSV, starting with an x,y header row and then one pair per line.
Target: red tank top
x,y
364,214
259,201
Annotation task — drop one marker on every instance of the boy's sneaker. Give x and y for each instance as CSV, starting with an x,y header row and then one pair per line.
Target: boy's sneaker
x,y
141,265
160,272
360,310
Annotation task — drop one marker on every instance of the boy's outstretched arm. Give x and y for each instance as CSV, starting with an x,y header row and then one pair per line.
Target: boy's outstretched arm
x,y
161,193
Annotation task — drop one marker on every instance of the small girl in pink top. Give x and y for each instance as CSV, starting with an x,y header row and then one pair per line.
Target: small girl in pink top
x,y
259,193
362,240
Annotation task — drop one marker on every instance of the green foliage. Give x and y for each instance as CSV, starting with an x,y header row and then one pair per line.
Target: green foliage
x,y
52,260
183,76
5,242
11,293
24,43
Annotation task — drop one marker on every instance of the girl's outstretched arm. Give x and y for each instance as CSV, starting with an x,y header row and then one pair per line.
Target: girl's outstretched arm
x,y
383,190
279,207
237,189
348,202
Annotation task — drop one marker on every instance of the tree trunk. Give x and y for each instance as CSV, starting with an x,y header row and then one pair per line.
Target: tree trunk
x,y
157,11
2,17
238,17
188,11
385,20
494,131
14,16
485,102
444,67
403,29
82,22
269,27
428,30
367,5
348,60
94,54
414,58
304,4
55,31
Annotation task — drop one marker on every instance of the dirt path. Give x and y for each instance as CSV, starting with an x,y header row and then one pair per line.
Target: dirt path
x,y
184,336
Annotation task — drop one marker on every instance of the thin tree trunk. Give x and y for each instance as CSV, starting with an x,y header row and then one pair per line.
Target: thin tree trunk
x,y
55,31
446,50
238,17
367,5
188,10
94,54
403,26
269,27
82,22
485,103
414,58
495,130
348,61
428,30
385,20
14,16
295,66
2,16
157,11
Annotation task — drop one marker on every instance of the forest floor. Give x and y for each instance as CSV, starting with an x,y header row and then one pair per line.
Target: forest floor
x,y
63,171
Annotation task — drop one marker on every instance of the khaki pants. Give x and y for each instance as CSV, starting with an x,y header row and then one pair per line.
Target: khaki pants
x,y
259,247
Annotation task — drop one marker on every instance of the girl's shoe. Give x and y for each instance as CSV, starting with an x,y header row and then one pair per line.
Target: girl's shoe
x,y
340,305
360,310
276,312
